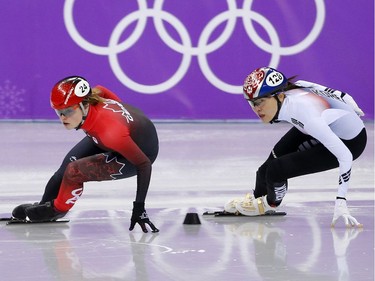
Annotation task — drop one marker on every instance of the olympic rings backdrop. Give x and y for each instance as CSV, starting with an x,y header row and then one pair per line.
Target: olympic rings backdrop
x,y
184,59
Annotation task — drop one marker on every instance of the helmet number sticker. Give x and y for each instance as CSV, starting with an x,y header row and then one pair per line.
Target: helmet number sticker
x,y
274,79
82,88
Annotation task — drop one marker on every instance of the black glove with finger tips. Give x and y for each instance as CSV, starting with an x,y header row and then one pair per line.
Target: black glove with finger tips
x,y
140,216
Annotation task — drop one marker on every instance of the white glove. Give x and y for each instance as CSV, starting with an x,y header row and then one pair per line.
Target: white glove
x,y
341,210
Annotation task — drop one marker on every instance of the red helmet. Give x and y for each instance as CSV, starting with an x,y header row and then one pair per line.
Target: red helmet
x,y
69,91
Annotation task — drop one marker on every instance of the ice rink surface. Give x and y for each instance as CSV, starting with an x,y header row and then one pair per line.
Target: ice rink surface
x,y
199,168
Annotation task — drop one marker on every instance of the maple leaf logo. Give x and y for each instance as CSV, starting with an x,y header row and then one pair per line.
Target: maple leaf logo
x,y
117,169
119,108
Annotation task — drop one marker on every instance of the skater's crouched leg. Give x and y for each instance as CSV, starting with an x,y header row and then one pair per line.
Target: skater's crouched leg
x,y
277,183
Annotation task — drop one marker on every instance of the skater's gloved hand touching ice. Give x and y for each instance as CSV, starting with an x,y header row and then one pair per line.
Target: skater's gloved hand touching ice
x,y
140,216
341,210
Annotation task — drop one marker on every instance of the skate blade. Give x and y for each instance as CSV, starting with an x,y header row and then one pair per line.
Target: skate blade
x,y
15,221
237,214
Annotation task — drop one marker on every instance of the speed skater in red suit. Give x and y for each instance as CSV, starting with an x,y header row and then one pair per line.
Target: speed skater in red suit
x,y
120,142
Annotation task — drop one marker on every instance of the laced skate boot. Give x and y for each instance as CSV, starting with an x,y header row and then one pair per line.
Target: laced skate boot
x,y
19,211
44,212
255,206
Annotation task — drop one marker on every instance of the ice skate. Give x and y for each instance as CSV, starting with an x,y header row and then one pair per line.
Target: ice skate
x,y
19,211
251,206
230,206
43,212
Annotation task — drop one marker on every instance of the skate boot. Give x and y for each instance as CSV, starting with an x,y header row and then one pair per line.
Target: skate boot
x,y
255,206
19,211
44,212
230,206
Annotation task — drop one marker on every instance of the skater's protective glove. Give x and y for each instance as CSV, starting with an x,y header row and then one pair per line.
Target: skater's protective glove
x,y
140,216
341,210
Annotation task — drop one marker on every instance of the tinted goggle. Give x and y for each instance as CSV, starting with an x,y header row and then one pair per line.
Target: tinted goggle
x,y
67,112
254,103
259,101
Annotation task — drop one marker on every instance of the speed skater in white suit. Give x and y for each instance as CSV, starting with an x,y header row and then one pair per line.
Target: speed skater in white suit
x,y
327,133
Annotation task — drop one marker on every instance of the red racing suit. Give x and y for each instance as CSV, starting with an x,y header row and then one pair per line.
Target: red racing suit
x,y
120,142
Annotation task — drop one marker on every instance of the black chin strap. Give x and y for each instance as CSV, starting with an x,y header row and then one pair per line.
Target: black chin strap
x,y
80,124
274,119
84,115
